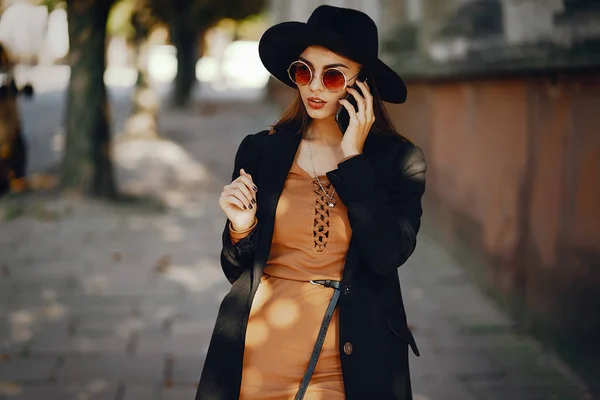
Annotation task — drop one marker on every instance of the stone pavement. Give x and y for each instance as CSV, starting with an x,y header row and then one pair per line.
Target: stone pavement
x,y
117,302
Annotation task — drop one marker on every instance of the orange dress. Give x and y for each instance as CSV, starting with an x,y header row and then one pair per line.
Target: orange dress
x,y
310,241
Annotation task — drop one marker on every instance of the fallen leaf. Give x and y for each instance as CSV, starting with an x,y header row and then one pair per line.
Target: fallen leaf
x,y
117,256
43,181
18,185
9,388
163,264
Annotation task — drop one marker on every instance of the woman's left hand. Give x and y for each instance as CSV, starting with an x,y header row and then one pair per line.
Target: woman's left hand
x,y
360,122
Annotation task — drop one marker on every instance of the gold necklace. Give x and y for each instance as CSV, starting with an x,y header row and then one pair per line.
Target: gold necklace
x,y
331,201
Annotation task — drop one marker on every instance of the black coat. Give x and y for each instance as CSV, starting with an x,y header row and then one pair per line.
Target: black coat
x,y
382,190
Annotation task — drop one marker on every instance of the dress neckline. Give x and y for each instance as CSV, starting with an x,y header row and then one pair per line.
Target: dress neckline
x,y
302,171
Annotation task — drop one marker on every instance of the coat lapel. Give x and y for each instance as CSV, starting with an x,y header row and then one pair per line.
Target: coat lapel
x,y
277,155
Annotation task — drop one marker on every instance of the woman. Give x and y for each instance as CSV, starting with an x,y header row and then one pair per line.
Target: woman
x,y
319,218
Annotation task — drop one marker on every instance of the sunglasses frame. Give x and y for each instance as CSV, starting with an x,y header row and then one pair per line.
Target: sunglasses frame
x,y
312,76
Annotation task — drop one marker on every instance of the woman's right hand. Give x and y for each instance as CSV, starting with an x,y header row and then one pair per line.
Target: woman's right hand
x,y
238,201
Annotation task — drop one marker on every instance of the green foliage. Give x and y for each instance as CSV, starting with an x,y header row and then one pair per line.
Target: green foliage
x,y
136,18
403,39
198,15
51,4
119,19
251,28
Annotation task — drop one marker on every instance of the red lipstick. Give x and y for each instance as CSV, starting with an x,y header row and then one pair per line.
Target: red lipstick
x,y
316,103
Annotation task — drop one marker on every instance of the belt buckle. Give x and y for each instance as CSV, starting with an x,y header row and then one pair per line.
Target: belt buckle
x,y
315,283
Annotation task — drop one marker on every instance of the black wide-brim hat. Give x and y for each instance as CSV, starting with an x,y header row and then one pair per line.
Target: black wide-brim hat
x,y
350,33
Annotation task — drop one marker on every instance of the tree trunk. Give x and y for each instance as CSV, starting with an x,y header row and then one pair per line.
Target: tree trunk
x,y
142,84
87,166
143,120
185,40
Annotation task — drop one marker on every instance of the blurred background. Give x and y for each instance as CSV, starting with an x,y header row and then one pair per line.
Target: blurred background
x,y
119,121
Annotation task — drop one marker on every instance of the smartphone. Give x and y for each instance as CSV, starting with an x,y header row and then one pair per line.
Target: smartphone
x,y
341,116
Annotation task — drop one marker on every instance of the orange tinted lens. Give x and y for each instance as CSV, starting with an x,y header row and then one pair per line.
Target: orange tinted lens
x,y
300,74
334,80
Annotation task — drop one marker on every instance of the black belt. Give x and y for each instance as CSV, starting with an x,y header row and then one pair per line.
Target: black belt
x,y
322,332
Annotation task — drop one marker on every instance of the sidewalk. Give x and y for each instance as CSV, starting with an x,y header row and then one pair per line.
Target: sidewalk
x,y
117,302
469,349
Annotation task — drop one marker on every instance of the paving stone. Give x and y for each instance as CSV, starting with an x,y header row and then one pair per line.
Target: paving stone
x,y
94,390
194,307
52,269
130,281
509,389
447,336
7,287
456,362
186,370
426,365
20,324
431,387
528,378
192,328
117,325
33,290
65,344
469,350
191,345
137,392
91,311
113,368
179,393
101,302
480,318
34,369
5,328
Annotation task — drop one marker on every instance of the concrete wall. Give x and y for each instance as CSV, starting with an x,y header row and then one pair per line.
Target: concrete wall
x,y
514,191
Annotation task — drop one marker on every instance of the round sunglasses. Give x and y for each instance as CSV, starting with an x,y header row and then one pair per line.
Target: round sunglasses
x,y
333,79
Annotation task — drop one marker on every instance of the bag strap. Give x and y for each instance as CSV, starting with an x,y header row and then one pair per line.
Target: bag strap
x,y
322,333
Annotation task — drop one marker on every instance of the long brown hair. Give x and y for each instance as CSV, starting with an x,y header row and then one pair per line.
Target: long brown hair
x,y
296,115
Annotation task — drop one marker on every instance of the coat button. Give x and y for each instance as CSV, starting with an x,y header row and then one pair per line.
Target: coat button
x,y
346,289
348,348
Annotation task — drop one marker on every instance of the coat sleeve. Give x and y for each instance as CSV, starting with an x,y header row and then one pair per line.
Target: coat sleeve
x,y
384,220
235,257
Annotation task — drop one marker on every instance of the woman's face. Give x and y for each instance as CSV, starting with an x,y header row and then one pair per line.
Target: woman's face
x,y
320,103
